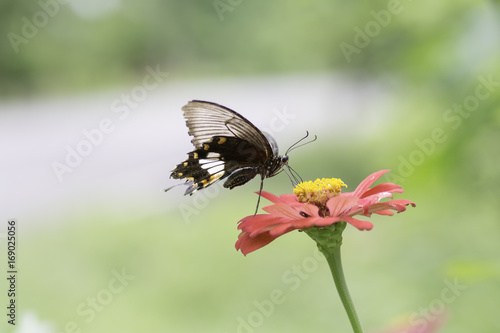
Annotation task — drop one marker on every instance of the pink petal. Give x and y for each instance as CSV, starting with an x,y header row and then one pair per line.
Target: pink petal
x,y
269,196
365,184
260,222
248,244
316,222
287,199
360,224
403,202
337,205
384,212
367,202
307,222
309,209
385,187
280,230
290,199
396,205
282,210
303,223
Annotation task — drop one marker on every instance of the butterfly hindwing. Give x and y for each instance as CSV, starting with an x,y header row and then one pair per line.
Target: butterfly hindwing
x,y
217,159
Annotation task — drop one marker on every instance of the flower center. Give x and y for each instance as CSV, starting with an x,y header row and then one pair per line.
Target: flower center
x,y
319,191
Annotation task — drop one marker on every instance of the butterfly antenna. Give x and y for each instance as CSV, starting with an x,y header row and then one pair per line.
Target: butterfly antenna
x,y
290,148
294,146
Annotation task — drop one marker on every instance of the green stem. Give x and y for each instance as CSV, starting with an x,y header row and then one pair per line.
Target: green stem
x,y
329,240
332,255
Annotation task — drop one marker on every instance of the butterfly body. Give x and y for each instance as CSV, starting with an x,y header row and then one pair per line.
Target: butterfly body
x,y
227,146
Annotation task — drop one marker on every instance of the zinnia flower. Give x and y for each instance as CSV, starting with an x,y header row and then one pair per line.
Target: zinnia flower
x,y
318,204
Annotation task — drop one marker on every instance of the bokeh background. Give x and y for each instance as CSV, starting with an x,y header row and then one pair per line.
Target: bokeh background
x,y
91,126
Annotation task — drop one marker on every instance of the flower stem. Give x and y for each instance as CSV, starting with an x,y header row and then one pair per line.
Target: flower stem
x,y
332,255
329,240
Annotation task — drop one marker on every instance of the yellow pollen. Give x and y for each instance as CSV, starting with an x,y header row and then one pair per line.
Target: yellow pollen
x,y
319,191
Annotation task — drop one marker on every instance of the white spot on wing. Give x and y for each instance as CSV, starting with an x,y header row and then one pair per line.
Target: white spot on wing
x,y
218,168
213,155
212,166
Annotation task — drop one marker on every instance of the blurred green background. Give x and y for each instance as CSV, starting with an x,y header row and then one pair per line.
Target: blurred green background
x,y
431,115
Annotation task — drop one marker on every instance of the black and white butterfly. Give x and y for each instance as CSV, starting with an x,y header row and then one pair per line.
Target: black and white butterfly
x,y
227,146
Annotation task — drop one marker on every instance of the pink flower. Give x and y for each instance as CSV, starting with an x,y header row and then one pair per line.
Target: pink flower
x,y
430,323
318,204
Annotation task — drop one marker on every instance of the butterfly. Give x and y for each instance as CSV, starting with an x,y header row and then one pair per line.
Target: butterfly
x,y
226,146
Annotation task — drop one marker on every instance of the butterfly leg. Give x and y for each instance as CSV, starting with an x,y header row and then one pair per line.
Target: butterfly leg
x,y
260,191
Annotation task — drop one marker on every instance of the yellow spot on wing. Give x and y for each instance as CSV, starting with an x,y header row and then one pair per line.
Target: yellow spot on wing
x,y
185,163
206,146
212,179
195,156
222,140
180,174
216,176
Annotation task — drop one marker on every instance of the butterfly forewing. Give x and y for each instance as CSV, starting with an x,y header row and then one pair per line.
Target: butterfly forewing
x,y
206,120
